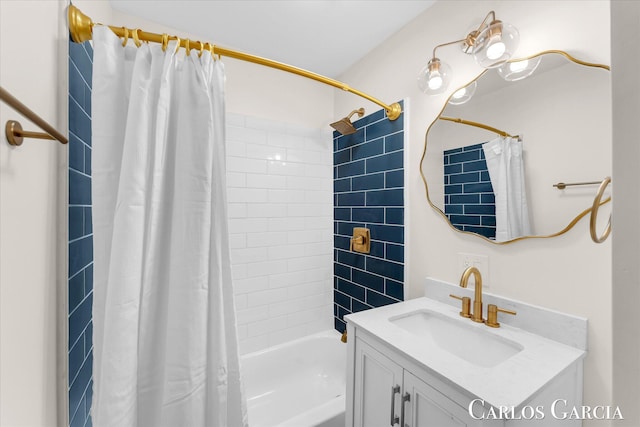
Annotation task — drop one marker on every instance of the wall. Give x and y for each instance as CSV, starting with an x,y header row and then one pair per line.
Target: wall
x,y
32,176
80,229
569,273
625,55
368,185
279,195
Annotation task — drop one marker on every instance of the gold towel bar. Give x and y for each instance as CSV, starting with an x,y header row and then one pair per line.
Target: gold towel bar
x,y
14,131
563,185
594,214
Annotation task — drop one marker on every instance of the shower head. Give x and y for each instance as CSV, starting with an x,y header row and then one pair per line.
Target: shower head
x,y
344,126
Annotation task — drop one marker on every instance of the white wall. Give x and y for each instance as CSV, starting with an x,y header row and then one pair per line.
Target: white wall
x,y
625,55
32,68
569,273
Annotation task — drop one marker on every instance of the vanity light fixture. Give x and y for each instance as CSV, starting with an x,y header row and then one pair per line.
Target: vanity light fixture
x,y
518,70
463,94
491,45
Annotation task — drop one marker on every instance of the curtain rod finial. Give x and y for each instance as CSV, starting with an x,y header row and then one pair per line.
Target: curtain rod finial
x,y
80,25
394,111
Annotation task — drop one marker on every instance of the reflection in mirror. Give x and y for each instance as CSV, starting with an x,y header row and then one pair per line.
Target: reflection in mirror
x,y
552,126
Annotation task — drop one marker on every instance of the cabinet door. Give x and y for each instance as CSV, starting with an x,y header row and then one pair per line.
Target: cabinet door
x,y
426,407
377,388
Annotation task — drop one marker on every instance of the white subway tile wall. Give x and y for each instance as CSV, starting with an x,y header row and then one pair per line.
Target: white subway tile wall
x,y
280,204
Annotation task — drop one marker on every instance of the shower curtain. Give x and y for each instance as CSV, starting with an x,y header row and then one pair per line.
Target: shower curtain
x,y
506,172
165,344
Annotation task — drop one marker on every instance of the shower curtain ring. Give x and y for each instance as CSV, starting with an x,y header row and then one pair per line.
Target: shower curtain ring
x,y
201,49
177,44
212,49
126,36
136,37
188,47
165,41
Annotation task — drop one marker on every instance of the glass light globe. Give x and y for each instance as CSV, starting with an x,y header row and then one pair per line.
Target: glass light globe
x,y
434,78
463,94
518,70
496,44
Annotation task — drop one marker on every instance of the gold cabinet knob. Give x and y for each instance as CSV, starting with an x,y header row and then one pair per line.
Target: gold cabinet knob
x,y
361,240
492,315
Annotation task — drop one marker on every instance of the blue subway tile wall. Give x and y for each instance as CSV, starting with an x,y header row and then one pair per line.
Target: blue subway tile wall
x,y
80,294
368,192
469,202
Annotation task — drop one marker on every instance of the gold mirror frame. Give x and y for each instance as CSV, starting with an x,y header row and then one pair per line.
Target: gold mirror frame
x,y
572,223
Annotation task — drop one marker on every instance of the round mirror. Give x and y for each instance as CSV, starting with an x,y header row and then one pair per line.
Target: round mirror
x,y
491,164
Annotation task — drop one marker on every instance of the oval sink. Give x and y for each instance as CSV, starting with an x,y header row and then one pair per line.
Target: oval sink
x,y
460,337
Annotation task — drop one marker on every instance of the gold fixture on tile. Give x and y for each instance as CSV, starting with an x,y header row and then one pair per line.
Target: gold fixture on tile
x,y
492,315
466,305
477,297
343,338
344,125
361,241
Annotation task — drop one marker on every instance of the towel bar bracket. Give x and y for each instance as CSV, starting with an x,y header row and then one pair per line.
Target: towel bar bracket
x,y
15,134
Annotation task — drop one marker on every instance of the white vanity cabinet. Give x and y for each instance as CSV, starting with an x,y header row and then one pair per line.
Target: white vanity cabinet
x,y
417,363
386,394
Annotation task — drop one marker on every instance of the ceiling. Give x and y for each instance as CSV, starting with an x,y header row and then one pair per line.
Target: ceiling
x,y
325,37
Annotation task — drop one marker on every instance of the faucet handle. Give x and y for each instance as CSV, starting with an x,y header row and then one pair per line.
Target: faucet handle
x,y
466,305
492,315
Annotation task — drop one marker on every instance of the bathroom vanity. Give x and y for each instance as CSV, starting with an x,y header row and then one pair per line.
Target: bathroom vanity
x,y
419,363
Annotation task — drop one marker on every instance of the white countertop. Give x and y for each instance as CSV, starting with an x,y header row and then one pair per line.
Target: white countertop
x,y
510,383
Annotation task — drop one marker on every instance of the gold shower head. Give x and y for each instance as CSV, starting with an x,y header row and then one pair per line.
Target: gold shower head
x,y
344,126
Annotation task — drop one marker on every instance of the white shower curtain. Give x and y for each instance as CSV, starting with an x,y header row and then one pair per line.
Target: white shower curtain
x,y
506,171
165,344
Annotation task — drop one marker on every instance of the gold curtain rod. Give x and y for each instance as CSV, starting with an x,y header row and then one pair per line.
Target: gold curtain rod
x,y
476,124
13,129
81,29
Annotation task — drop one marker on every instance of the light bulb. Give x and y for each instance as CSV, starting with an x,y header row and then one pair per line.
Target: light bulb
x,y
496,50
495,44
516,67
434,78
459,93
518,70
435,82
464,94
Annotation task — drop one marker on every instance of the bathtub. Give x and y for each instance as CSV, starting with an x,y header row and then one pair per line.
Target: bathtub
x,y
300,383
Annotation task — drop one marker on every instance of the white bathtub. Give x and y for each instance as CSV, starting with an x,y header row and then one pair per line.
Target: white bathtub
x,y
297,384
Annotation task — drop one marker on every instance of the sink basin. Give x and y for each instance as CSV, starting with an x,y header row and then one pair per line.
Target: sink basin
x,y
460,337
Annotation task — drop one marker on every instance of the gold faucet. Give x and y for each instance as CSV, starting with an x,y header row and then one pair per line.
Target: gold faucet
x,y
476,316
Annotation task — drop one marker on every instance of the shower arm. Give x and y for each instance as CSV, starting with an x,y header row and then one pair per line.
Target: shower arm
x,y
81,29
